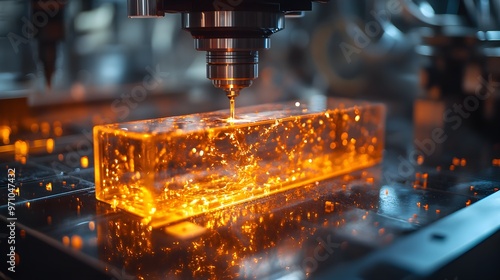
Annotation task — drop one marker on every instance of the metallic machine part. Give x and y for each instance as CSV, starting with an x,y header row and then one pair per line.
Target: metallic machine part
x,y
231,32
232,70
456,60
142,8
232,40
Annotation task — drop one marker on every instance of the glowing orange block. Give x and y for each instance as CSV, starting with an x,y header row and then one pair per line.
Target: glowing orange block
x,y
169,169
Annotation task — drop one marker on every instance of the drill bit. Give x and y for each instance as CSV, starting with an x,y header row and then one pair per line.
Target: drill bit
x,y
231,94
231,108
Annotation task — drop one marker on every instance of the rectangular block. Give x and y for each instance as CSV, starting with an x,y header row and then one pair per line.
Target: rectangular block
x,y
169,169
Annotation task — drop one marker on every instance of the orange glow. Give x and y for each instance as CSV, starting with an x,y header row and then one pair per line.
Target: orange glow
x,y
5,134
58,131
65,240
420,160
185,230
84,162
21,149
34,127
48,187
76,242
169,169
50,145
329,206
45,128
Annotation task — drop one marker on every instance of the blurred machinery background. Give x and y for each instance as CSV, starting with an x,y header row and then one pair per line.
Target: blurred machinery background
x,y
90,51
68,65
92,45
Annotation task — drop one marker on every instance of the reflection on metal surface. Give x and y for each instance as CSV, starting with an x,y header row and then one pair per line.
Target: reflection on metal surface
x,y
169,169
84,162
273,237
21,151
270,236
5,134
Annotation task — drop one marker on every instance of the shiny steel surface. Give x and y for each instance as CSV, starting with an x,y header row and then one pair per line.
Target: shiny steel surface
x,y
232,87
232,70
232,65
232,40
427,250
250,44
273,22
142,8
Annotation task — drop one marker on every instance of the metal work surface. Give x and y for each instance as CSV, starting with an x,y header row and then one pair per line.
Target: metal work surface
x,y
378,223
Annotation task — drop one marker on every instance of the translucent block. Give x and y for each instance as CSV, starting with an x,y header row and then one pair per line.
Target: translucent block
x,y
169,169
